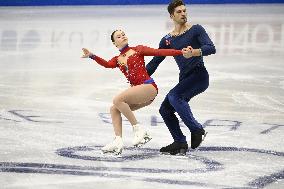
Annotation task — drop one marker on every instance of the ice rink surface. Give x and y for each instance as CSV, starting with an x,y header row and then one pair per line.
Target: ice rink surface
x,y
54,106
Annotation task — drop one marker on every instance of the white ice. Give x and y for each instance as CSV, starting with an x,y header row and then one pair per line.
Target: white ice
x,y
54,105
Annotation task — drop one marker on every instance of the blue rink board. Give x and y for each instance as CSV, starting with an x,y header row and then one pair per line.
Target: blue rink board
x,y
123,2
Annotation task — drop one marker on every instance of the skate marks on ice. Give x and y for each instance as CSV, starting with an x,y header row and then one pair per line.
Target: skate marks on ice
x,y
142,161
269,103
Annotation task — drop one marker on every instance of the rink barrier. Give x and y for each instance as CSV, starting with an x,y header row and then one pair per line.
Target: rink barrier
x,y
125,2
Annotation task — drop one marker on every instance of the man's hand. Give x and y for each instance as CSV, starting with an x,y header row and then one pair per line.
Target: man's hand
x,y
86,54
187,52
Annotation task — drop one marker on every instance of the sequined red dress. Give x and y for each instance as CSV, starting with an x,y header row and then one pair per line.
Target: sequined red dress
x,y
135,70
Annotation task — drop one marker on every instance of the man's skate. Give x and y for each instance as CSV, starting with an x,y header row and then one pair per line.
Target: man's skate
x,y
141,137
115,147
176,148
197,138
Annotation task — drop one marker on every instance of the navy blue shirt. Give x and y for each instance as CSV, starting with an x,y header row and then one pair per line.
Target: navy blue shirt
x,y
196,37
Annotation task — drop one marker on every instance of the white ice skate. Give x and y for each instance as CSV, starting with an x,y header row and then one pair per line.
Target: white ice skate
x,y
141,137
115,147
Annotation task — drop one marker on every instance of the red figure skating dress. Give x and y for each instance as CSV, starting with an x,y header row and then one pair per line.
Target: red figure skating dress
x,y
134,69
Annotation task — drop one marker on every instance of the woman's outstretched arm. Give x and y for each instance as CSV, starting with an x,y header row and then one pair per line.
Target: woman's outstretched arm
x,y
147,51
107,64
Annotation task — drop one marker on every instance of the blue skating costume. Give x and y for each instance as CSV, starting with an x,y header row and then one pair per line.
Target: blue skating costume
x,y
193,79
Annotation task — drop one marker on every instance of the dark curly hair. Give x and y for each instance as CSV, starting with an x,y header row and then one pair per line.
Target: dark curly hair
x,y
173,5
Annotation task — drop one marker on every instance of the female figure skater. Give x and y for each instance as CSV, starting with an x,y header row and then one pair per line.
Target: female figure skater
x,y
142,92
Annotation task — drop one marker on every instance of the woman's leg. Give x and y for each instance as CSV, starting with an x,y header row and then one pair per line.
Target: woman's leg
x,y
140,94
117,119
117,145
135,107
130,99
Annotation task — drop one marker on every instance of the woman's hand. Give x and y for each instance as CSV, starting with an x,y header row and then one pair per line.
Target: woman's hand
x,y
86,54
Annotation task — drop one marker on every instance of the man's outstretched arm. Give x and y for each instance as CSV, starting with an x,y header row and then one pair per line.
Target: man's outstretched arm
x,y
156,60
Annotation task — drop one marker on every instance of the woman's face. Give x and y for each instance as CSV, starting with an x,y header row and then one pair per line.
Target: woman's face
x,y
120,39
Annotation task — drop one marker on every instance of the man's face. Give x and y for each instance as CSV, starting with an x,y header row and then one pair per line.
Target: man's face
x,y
180,15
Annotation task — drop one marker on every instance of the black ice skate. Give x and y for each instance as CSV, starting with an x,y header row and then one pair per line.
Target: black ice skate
x,y
197,138
176,148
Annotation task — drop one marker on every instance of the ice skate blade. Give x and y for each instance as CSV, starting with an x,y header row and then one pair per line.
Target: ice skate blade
x,y
204,136
143,142
173,155
112,153
180,152
115,155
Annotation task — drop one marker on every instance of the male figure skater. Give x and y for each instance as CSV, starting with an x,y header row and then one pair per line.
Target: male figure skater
x,y
193,77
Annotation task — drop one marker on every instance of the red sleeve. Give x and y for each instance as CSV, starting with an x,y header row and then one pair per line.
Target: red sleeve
x,y
108,64
147,51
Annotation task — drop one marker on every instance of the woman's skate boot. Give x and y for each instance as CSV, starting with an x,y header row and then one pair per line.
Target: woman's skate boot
x,y
115,147
141,137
